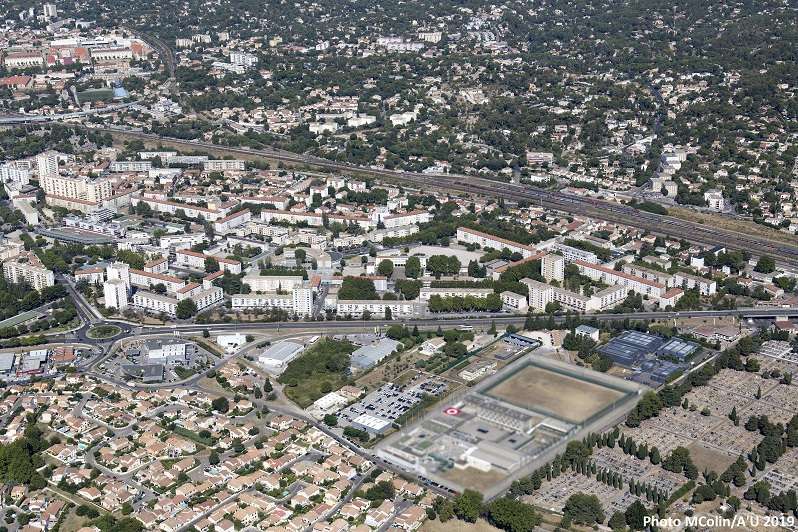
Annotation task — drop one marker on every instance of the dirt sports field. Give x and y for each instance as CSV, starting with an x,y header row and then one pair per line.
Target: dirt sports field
x,y
565,397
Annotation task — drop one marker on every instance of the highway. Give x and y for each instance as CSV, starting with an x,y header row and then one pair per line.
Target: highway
x,y
480,322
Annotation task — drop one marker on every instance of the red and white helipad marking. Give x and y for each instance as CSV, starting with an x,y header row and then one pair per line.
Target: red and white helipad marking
x,y
452,411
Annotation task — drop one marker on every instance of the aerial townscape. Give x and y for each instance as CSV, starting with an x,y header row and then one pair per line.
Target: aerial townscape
x,y
390,266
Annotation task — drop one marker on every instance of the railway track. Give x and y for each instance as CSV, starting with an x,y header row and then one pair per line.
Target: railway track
x,y
784,254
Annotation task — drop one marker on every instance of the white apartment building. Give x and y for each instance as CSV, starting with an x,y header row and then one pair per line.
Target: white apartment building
x,y
47,164
222,165
303,299
23,60
715,201
360,120
407,218
182,241
485,240
111,54
609,276
552,267
94,276
243,59
299,301
514,302
115,294
378,235
430,36
159,265
155,302
272,283
120,271
231,221
706,287
130,166
314,220
192,211
14,174
203,298
27,268
49,11
196,260
572,254
541,294
481,293
263,301
148,280
207,296
377,308
649,274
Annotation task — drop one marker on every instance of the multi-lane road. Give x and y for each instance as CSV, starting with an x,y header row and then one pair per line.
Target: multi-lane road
x,y
479,322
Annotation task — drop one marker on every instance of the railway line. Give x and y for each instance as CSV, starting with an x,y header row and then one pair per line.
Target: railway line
x,y
785,254
604,210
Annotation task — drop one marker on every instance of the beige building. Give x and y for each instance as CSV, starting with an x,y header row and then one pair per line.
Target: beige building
x,y
27,268
553,267
82,188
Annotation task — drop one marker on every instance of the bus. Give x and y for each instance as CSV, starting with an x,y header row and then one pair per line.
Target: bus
x,y
465,328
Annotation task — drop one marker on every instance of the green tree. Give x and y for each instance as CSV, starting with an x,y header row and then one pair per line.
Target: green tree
x,y
300,255
634,515
413,268
512,515
765,264
584,509
385,268
186,309
211,265
468,506
220,404
617,521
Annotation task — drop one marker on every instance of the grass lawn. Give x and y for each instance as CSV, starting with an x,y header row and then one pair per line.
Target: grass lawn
x,y
322,368
103,331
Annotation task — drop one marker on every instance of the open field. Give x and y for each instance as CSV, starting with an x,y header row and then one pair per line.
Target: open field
x,y
707,458
323,367
564,397
473,478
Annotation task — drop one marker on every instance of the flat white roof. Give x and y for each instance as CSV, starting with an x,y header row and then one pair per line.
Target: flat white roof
x,y
282,352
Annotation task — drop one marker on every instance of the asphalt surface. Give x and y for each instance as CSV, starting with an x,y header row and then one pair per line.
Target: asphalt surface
x,y
501,321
